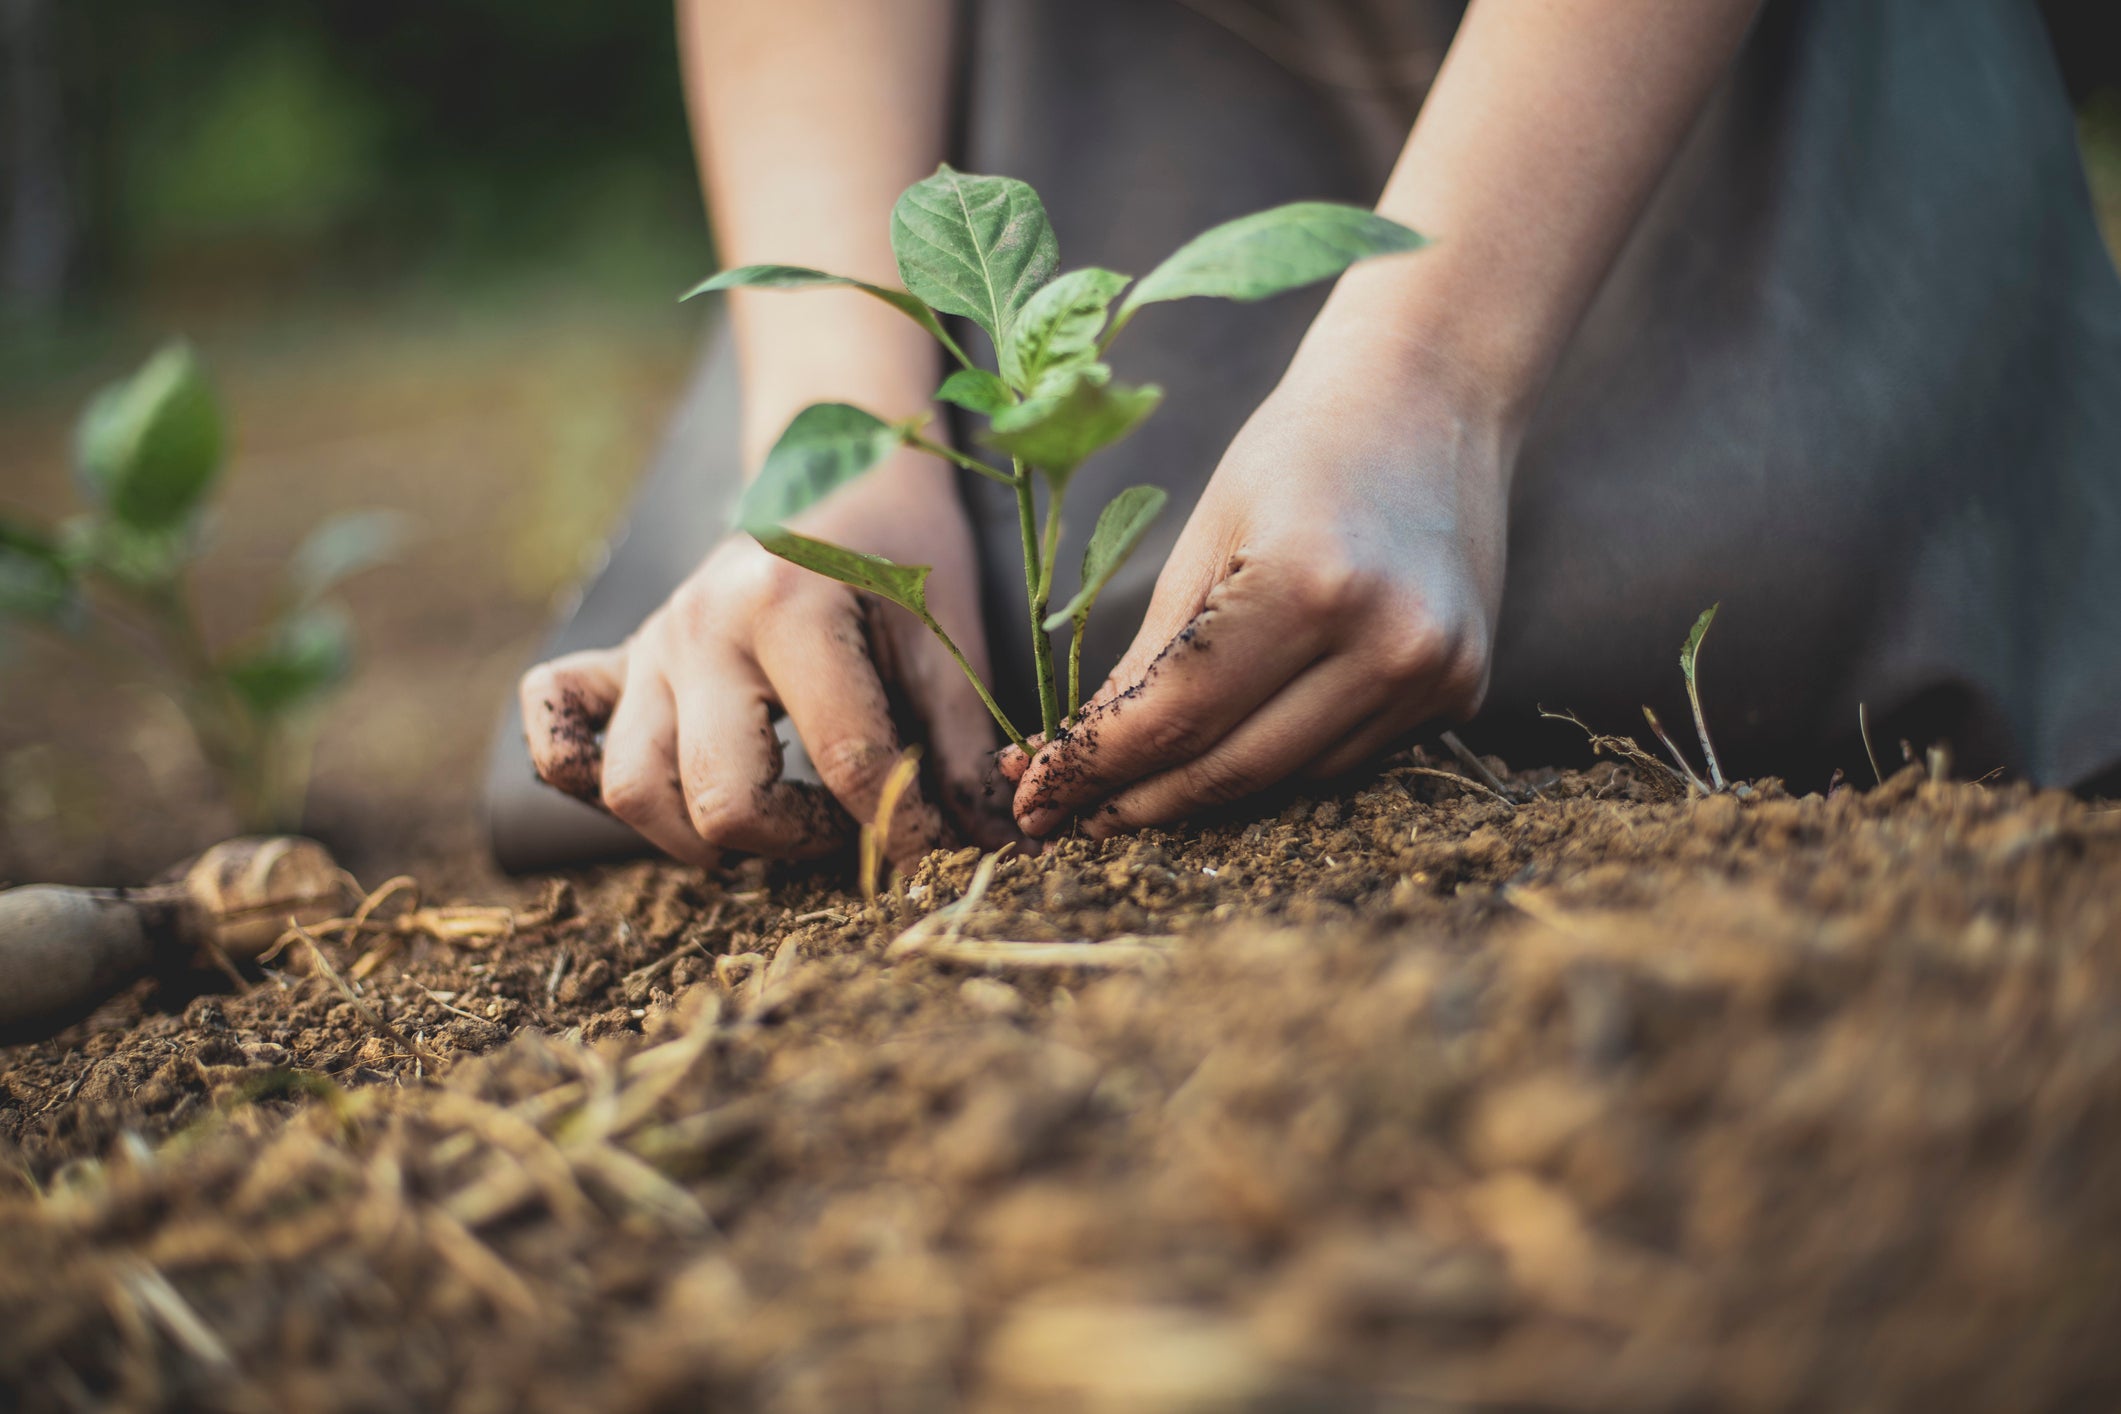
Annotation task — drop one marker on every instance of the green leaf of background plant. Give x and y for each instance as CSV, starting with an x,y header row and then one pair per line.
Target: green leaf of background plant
x,y
342,546
903,585
1058,432
825,447
799,277
976,390
1121,525
35,580
1058,326
138,559
309,653
149,447
1271,251
975,246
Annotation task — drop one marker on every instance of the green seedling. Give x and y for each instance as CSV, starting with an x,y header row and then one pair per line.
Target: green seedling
x,y
1689,654
1681,775
981,248
117,579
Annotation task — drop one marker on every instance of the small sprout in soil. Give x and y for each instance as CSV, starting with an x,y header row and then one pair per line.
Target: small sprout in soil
x,y
981,248
1689,655
117,579
1684,775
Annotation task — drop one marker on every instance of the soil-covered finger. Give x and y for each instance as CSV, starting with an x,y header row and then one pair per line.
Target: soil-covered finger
x,y
641,783
729,766
566,705
1266,748
819,658
1232,657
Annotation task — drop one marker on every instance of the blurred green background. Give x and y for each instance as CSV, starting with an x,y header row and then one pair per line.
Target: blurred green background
x,y
429,249
222,155
430,252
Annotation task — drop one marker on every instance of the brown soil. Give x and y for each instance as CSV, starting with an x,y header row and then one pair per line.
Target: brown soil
x,y
1407,1098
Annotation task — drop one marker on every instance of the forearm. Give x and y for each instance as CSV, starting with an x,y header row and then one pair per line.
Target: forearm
x,y
1541,140
809,117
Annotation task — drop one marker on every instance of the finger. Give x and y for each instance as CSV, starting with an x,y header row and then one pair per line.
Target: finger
x,y
1013,760
1365,743
820,669
1270,745
566,704
1215,672
729,765
641,784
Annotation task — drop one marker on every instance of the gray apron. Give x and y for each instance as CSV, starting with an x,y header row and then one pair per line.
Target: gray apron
x,y
1856,375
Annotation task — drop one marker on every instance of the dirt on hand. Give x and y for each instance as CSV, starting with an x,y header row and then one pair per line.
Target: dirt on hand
x,y
1411,1097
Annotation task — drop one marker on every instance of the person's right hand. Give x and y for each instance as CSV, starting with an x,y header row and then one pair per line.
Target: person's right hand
x,y
672,731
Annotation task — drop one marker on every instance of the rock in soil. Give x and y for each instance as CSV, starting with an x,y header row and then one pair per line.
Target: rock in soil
x,y
1402,1099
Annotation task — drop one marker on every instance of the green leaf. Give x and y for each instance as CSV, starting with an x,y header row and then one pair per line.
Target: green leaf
x,y
824,448
1120,527
1271,251
36,582
308,654
976,390
1690,651
903,585
1058,431
149,447
342,546
798,277
138,559
1058,326
975,246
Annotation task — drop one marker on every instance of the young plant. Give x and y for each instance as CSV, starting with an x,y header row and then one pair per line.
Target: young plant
x,y
118,579
981,248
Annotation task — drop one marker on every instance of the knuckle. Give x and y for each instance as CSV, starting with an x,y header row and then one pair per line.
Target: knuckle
x,y
1173,734
1414,649
1210,781
853,767
719,813
629,795
1330,584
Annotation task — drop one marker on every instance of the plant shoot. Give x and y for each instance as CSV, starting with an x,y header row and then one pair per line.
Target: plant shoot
x,y
981,248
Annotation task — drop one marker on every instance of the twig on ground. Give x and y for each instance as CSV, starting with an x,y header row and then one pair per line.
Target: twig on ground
x,y
1127,950
669,959
552,978
1626,748
1684,769
1452,777
366,1012
1473,763
949,920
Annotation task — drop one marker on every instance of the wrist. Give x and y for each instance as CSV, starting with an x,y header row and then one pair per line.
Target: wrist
x,y
1408,329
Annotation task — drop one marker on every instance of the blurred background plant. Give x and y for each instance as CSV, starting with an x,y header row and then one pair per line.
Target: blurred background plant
x,y
431,249
116,579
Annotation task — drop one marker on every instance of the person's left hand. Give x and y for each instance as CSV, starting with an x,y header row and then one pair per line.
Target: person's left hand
x,y
1336,587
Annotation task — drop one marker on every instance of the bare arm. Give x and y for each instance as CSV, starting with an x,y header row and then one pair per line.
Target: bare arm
x,y
1547,127
809,117
1346,559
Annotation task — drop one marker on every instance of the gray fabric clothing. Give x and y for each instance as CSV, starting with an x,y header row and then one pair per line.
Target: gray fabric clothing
x,y
1856,374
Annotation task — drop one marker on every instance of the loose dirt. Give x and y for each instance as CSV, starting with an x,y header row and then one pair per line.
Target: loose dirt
x,y
1407,1098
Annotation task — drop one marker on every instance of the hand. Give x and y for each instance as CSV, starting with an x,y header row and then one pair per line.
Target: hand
x,y
1336,587
688,755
